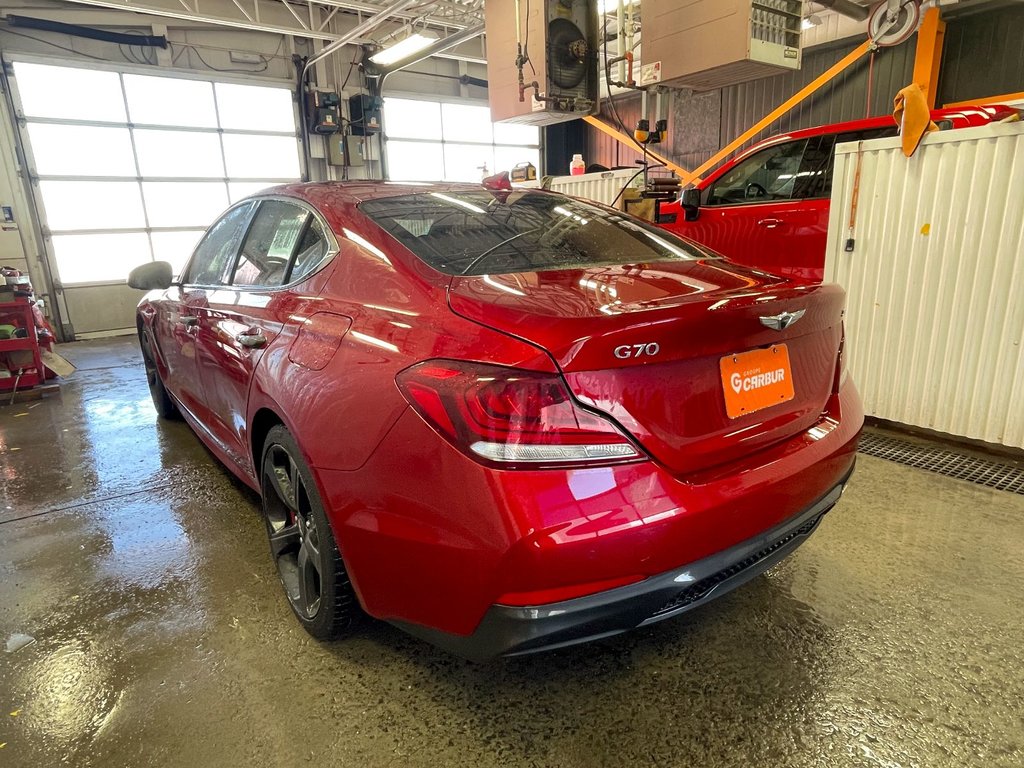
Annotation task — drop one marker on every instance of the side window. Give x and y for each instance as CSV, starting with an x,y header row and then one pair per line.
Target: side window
x,y
825,189
814,179
310,253
770,174
215,253
268,247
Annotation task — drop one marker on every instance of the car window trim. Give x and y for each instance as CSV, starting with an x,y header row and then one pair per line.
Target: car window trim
x,y
709,191
241,244
829,164
332,246
248,223
303,231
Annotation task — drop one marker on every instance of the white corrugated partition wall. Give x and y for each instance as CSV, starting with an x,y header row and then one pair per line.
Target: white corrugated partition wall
x,y
935,283
601,187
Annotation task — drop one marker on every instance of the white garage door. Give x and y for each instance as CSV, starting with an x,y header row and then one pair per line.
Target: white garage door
x,y
453,141
133,167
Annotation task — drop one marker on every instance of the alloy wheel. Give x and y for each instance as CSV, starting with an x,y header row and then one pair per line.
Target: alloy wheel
x,y
295,540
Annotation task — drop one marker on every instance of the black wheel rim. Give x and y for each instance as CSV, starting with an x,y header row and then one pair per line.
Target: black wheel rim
x,y
294,532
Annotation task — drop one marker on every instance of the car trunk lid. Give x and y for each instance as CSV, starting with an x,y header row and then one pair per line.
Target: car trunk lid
x,y
656,347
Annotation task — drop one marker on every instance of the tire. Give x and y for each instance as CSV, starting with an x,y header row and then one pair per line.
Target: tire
x,y
301,541
165,407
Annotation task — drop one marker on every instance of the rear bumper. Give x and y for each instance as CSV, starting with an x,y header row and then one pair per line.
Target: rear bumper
x,y
512,631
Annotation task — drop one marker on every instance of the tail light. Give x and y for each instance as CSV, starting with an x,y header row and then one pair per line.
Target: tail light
x,y
510,417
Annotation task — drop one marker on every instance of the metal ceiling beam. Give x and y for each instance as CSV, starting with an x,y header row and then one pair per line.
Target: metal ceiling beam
x,y
264,19
279,16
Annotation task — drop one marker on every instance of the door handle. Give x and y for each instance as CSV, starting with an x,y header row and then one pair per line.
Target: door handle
x,y
769,223
251,340
188,320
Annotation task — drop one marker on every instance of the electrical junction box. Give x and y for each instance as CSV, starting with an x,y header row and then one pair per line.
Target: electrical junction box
x,y
336,149
709,44
345,149
355,151
364,114
322,113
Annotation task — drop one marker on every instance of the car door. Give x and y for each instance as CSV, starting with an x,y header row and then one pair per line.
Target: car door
x,y
179,316
747,214
283,245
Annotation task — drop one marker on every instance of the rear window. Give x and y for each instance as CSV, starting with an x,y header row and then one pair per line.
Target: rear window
x,y
483,233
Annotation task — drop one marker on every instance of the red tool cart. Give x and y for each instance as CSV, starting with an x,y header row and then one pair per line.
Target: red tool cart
x,y
20,364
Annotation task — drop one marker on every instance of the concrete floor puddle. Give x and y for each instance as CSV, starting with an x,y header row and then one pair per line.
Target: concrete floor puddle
x,y
140,568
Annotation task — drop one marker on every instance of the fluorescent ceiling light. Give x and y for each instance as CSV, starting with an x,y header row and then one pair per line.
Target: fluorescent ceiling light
x,y
414,43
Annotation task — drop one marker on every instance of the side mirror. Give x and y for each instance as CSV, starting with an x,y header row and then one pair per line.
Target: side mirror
x,y
156,274
690,201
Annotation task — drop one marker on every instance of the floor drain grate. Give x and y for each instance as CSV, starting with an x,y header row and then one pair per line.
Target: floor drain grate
x,y
975,469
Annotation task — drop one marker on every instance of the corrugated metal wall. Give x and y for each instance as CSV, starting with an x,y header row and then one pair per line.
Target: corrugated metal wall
x,y
606,150
700,123
845,98
935,321
983,55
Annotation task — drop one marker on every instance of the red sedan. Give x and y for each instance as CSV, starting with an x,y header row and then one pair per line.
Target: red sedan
x,y
502,420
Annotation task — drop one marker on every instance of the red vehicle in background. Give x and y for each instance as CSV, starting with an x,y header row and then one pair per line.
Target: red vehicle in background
x,y
769,206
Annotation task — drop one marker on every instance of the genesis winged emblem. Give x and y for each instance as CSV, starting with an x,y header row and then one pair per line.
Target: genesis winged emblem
x,y
782,321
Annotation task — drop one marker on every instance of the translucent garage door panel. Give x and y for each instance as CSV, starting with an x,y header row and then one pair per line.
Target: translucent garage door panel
x,y
81,150
179,153
414,161
170,101
463,162
255,108
261,157
92,205
408,119
510,133
463,122
81,94
506,158
237,190
175,247
101,257
183,203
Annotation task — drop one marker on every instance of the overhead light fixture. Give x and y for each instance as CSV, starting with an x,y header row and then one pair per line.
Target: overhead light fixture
x,y
413,44
810,21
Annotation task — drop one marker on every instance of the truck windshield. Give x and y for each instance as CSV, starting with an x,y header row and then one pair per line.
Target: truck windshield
x,y
480,233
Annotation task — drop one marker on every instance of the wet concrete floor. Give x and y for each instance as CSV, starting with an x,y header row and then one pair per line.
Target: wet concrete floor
x,y
162,636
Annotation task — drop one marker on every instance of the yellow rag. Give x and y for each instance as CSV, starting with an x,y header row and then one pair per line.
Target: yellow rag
x,y
910,109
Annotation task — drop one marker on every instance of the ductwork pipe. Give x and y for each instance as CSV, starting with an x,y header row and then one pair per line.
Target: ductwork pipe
x,y
847,8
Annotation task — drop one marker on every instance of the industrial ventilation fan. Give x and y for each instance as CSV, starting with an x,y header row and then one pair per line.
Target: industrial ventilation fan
x,y
568,54
548,72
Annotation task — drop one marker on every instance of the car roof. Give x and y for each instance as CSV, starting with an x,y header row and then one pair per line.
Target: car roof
x,y
350,192
961,117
